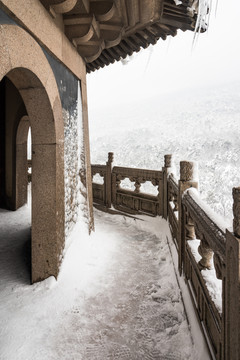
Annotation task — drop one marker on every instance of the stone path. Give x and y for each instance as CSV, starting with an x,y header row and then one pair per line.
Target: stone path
x,y
115,299
136,312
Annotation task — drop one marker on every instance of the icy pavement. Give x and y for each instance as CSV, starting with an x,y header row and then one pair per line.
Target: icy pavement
x,y
117,296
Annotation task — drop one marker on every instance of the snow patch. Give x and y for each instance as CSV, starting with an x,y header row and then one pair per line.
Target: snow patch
x,y
216,218
116,295
75,202
213,284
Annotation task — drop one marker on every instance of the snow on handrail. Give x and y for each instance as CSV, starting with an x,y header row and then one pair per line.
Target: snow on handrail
x,y
206,223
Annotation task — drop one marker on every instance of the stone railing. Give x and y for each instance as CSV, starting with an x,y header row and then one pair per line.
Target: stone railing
x,y
136,201
111,193
172,208
99,191
208,254
209,259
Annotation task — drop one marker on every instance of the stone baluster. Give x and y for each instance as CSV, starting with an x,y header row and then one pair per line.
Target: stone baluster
x,y
114,188
206,253
108,181
137,186
186,227
175,201
165,195
231,286
118,182
189,227
159,184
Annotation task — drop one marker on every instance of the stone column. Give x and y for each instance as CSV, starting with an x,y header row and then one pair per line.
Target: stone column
x,y
165,173
108,181
231,285
186,181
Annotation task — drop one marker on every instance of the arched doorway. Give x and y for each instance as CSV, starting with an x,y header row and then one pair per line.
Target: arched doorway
x,y
24,64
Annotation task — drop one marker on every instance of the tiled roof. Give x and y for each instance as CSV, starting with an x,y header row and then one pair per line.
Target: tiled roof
x,y
104,31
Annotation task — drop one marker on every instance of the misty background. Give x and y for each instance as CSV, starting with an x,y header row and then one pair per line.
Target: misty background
x,y
176,97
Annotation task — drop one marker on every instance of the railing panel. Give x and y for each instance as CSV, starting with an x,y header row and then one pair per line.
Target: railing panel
x,y
136,201
99,189
98,193
208,254
99,169
209,315
199,257
213,234
173,191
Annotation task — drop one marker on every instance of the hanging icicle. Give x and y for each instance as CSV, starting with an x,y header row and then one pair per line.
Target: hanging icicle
x,y
203,10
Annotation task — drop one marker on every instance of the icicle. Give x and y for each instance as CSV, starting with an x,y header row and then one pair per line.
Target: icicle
x,y
203,10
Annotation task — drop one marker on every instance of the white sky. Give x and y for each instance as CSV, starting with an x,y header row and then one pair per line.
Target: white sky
x,y
172,65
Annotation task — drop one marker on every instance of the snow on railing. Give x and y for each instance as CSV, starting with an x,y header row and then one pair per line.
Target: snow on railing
x,y
208,254
209,258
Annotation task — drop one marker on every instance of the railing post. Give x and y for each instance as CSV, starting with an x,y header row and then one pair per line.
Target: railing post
x,y
108,181
231,286
187,171
165,172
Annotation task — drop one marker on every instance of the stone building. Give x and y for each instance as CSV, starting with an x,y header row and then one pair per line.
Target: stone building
x,y
46,49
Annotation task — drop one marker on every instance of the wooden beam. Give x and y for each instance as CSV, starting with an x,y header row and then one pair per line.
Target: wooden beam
x,y
110,27
126,47
122,9
108,15
134,12
133,43
114,53
169,30
108,56
64,7
120,51
150,37
140,39
77,19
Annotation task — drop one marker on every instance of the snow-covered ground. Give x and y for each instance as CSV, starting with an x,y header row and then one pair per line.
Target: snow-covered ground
x,y
201,125
117,296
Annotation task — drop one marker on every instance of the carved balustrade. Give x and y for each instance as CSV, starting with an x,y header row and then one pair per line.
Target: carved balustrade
x,y
210,242
102,192
231,284
213,239
136,201
201,244
99,191
173,192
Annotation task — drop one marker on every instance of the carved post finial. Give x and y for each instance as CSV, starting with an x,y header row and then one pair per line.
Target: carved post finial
x,y
110,157
168,160
186,170
236,211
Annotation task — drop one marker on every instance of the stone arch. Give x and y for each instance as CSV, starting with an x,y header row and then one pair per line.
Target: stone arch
x,y
24,63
